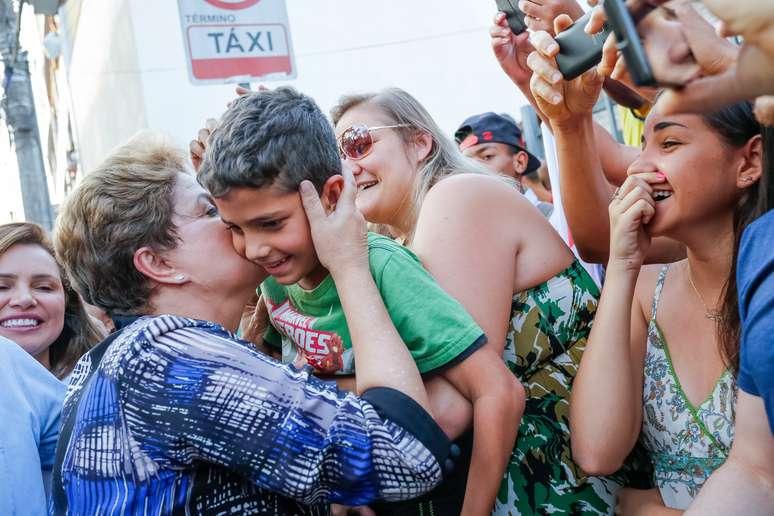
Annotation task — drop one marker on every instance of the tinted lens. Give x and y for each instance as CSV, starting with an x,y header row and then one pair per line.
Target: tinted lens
x,y
355,142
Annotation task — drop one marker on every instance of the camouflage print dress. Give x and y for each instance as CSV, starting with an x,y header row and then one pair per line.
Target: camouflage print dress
x,y
548,330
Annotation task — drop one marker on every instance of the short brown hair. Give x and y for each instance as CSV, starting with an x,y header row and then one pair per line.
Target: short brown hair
x,y
126,203
79,333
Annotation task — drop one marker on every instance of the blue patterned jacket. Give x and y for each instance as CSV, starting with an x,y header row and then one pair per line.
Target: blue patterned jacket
x,y
181,417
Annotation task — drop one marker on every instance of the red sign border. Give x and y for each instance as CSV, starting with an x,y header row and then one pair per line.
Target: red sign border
x,y
244,4
274,58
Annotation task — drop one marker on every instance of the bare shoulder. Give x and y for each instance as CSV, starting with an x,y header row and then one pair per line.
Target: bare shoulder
x,y
475,192
646,286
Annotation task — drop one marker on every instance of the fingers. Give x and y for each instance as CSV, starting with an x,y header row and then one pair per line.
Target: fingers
x,y
545,91
641,180
705,94
500,19
349,192
530,9
196,149
610,57
311,201
536,24
544,43
499,32
211,124
562,23
764,110
544,67
637,206
596,22
338,510
241,91
203,136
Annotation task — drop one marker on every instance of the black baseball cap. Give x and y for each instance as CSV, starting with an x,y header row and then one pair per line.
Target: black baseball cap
x,y
490,127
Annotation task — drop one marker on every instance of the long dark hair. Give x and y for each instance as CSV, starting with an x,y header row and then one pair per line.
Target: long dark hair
x,y
79,333
736,125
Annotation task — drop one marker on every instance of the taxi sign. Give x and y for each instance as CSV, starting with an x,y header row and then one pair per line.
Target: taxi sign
x,y
236,40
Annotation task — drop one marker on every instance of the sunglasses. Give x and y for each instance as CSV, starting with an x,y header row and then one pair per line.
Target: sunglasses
x,y
356,142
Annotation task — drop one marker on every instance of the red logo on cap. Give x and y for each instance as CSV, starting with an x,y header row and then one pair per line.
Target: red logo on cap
x,y
487,135
469,141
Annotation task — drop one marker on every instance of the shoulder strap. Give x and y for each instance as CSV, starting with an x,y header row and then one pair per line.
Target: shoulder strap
x,y
657,292
58,494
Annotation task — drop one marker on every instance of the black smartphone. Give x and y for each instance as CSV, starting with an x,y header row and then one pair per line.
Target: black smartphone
x,y
579,51
513,14
628,42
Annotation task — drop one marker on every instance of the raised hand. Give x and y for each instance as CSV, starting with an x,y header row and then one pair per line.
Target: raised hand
x,y
542,13
511,50
631,208
197,147
560,100
340,237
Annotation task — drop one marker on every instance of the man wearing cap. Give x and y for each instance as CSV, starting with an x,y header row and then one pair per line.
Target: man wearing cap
x,y
495,141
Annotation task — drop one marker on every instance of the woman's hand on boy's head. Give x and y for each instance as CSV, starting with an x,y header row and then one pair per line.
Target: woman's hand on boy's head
x,y
198,147
340,237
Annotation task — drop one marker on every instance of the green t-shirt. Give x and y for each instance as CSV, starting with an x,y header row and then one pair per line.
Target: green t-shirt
x,y
311,328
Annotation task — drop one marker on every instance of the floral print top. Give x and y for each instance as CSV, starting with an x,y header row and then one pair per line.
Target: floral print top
x,y
687,442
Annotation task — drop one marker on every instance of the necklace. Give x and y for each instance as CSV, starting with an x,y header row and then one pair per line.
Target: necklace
x,y
713,315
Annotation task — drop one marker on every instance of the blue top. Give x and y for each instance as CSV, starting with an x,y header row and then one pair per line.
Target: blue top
x,y
180,416
755,284
30,404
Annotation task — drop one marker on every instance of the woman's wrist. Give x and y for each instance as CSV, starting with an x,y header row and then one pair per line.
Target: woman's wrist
x,y
626,269
352,273
572,124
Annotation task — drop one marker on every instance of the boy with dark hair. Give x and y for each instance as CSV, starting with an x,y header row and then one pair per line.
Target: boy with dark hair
x,y
266,145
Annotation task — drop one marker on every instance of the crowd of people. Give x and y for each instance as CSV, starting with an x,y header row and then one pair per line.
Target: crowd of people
x,y
359,314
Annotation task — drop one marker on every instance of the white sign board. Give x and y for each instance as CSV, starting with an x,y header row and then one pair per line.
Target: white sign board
x,y
236,40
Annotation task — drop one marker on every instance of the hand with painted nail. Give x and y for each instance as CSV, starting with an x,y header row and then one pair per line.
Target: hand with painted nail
x,y
560,100
633,206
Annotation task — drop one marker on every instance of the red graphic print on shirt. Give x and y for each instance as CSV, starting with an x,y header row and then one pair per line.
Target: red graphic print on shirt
x,y
322,350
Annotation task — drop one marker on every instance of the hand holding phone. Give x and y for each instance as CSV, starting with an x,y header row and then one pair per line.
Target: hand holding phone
x,y
513,14
665,46
628,42
579,51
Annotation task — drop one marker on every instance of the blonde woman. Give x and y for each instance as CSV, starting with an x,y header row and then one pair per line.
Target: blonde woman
x,y
493,251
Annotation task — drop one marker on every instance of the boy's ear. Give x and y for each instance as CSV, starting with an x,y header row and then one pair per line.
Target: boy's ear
x,y
331,192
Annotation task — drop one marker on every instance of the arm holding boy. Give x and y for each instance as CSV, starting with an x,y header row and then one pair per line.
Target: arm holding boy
x,y
445,339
